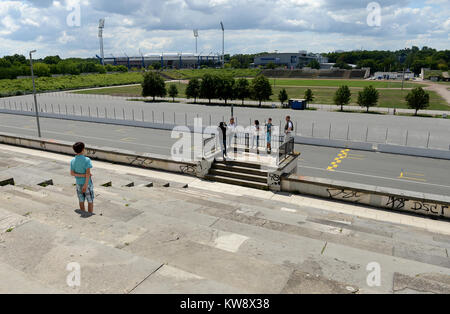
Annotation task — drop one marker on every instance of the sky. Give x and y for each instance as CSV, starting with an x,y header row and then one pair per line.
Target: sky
x,y
69,28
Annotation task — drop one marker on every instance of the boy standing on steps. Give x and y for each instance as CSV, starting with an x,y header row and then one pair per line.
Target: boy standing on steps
x,y
80,168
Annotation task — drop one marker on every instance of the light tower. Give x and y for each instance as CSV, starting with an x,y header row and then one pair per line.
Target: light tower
x,y
223,44
196,40
101,26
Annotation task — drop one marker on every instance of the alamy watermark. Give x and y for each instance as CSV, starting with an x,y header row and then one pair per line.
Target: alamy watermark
x,y
74,17
374,277
73,279
205,143
374,16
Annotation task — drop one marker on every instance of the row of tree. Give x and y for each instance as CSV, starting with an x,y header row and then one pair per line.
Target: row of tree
x,y
411,58
417,99
13,66
212,87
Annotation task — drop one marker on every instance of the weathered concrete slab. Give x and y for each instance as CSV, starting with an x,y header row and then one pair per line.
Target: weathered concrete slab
x,y
16,282
423,283
171,280
43,253
304,283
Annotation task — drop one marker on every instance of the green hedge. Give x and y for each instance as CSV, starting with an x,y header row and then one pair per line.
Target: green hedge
x,y
24,86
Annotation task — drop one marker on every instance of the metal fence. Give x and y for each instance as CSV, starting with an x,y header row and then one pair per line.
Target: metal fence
x,y
305,128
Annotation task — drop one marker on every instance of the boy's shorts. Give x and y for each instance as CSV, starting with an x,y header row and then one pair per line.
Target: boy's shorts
x,y
88,196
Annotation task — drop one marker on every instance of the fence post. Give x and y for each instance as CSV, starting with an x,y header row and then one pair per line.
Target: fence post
x,y
387,135
185,119
132,113
106,113
329,133
153,116
143,120
164,118
89,109
123,113
312,130
81,110
59,108
407,135
67,111
174,119
348,132
428,141
367,134
115,118
97,112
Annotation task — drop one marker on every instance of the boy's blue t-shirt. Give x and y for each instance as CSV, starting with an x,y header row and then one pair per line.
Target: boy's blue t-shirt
x,y
79,165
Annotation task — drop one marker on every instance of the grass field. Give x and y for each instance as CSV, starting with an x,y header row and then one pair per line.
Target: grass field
x,y
389,98
337,83
22,86
189,74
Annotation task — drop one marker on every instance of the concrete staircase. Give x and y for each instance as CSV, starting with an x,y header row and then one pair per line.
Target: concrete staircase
x,y
207,238
239,173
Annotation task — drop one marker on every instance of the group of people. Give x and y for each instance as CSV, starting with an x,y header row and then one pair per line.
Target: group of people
x,y
228,132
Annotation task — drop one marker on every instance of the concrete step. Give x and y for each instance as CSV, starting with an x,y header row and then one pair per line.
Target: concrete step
x,y
251,171
108,226
245,183
44,252
237,175
241,164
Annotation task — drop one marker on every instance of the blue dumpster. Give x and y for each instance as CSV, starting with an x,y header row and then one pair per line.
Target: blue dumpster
x,y
297,104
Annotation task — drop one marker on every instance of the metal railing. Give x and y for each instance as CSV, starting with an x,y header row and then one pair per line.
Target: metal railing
x,y
286,149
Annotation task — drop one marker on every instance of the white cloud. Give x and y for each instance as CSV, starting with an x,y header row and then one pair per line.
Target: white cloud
x,y
251,25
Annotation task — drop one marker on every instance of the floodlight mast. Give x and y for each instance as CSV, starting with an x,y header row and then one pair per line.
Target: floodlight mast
x,y
196,40
101,26
223,44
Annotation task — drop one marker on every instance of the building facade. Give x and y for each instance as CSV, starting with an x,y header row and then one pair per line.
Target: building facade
x,y
290,60
166,60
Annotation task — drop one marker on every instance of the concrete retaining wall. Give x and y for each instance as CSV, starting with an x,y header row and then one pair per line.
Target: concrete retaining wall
x,y
114,155
392,199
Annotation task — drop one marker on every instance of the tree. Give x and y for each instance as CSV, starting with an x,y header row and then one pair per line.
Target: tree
x,y
193,89
242,89
368,97
342,97
283,96
153,85
261,89
271,66
173,91
208,87
225,89
41,69
309,96
314,64
418,99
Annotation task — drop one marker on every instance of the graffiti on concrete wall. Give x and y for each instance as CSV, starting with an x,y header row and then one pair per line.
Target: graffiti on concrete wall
x,y
344,194
400,203
396,203
189,169
140,162
274,179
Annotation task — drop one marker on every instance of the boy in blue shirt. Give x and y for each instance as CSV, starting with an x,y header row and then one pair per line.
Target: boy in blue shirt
x,y
80,168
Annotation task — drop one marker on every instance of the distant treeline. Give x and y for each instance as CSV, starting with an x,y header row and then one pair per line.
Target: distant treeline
x,y
13,66
412,58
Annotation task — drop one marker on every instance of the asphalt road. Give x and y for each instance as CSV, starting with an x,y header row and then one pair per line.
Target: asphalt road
x,y
401,172
399,130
